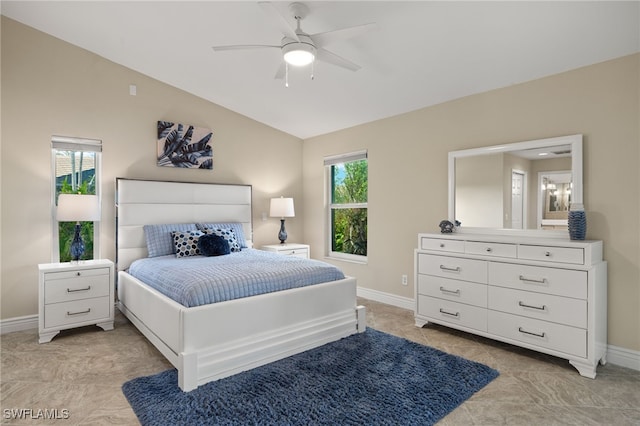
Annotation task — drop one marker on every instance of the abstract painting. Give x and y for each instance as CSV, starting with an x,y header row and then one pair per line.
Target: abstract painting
x,y
184,146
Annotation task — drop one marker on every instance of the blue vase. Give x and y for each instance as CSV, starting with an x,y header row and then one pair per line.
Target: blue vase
x,y
577,222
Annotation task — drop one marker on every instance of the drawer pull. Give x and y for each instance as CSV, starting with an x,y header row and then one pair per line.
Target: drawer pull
x,y
533,280
79,313
547,253
442,311
441,245
540,308
78,289
78,274
446,290
446,268
521,330
489,250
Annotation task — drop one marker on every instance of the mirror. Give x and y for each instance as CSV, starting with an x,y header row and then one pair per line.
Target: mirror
x,y
519,186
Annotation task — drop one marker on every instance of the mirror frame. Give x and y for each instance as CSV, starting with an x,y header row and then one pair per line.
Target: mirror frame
x,y
575,141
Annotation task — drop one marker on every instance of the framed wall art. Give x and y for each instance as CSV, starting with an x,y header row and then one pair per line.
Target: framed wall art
x,y
184,146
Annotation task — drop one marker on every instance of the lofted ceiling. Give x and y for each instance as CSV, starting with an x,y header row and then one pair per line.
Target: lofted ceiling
x,y
421,53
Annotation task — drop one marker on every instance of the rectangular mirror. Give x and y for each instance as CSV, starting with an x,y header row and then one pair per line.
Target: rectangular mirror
x,y
520,186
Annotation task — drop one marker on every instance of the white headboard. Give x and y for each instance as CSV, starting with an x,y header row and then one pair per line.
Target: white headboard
x,y
143,202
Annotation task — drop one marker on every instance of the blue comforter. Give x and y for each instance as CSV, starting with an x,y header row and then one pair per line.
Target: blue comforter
x,y
200,280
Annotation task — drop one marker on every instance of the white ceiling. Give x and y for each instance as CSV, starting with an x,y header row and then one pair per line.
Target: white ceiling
x,y
422,53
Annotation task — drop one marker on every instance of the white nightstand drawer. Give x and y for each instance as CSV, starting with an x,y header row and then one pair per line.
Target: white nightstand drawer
x,y
304,253
453,290
561,282
442,244
491,249
453,267
558,309
552,254
77,287
452,312
77,312
78,273
562,338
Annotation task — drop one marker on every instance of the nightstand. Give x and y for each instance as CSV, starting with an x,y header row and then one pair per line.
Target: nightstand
x,y
75,294
290,249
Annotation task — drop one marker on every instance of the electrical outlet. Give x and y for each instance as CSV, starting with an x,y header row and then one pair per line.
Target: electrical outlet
x,y
404,280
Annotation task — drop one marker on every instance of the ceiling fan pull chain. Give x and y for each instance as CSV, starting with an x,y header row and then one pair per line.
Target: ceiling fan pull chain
x,y
286,74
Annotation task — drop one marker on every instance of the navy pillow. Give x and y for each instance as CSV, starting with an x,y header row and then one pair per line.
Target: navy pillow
x,y
213,245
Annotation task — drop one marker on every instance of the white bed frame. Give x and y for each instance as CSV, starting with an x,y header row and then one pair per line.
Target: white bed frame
x,y
207,343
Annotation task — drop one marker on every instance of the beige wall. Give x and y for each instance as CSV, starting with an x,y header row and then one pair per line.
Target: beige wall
x,y
52,88
408,172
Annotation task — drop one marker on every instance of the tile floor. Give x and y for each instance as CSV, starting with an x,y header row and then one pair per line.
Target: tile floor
x,y
82,371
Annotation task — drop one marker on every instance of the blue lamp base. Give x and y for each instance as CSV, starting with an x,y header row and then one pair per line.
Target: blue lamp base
x,y
282,235
77,245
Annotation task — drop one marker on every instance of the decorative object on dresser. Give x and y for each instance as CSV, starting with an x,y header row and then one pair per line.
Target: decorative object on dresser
x,y
290,249
577,222
77,208
74,295
282,207
544,294
186,149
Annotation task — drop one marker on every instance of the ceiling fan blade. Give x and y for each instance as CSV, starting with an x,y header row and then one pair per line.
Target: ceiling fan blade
x,y
323,39
281,71
282,22
242,47
332,58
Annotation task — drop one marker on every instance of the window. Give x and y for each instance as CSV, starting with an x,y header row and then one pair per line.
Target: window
x,y
76,170
348,187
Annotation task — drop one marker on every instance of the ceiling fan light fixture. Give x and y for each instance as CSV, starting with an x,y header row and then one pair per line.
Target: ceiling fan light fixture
x,y
299,54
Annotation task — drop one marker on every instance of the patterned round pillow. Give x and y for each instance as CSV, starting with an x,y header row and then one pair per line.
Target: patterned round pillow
x,y
213,245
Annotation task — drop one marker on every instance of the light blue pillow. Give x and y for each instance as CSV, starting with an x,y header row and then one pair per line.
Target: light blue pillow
x,y
159,240
235,226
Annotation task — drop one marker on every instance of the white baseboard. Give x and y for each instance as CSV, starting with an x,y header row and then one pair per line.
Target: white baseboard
x,y
389,299
10,325
615,355
623,357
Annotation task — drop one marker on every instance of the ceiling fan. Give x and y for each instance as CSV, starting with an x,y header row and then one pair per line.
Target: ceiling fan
x,y
299,48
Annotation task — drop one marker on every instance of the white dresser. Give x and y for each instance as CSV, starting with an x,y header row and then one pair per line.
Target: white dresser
x,y
548,295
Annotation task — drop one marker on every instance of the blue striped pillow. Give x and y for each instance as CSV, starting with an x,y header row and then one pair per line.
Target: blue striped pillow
x,y
159,240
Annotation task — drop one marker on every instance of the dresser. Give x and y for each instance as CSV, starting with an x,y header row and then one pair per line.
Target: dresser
x,y
289,249
548,295
75,294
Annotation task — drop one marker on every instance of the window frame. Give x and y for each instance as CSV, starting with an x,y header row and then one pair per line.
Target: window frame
x,y
63,143
330,161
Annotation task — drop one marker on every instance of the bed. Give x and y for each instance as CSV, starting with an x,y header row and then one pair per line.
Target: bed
x,y
213,341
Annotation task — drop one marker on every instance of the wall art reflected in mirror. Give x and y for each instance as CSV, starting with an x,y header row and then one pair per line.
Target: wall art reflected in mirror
x,y
520,186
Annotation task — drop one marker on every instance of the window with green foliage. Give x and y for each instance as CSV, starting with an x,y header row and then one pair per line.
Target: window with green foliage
x,y
76,167
348,185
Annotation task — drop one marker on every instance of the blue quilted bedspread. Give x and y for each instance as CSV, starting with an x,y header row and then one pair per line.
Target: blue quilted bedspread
x,y
200,280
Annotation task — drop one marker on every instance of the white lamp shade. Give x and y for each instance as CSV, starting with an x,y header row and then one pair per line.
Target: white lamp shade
x,y
78,208
281,207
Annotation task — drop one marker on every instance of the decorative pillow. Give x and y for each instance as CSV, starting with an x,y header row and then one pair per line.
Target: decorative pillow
x,y
213,245
186,243
159,239
236,226
227,234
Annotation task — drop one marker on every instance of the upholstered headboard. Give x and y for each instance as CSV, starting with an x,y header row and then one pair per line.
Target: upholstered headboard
x,y
149,202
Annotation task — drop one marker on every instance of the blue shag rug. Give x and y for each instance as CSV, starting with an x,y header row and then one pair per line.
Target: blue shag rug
x,y
371,378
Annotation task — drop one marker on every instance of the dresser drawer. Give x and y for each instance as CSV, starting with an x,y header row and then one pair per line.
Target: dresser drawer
x,y
453,290
453,267
441,244
557,309
75,288
453,312
79,311
561,282
552,254
491,249
562,338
